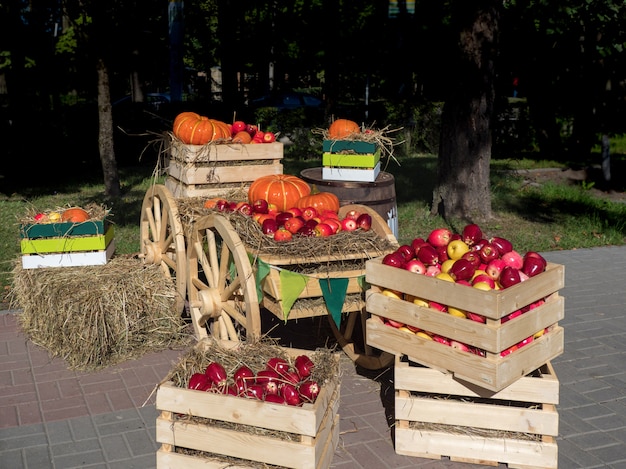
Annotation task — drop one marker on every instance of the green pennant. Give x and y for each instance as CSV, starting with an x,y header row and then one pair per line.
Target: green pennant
x,y
334,291
291,285
262,271
363,283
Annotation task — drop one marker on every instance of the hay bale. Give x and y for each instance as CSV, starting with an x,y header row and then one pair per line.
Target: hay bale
x,y
97,316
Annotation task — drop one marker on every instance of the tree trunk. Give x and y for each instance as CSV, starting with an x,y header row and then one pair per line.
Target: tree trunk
x,y
463,190
112,187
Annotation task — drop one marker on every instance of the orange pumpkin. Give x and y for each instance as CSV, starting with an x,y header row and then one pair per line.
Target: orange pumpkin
x,y
242,137
74,215
194,129
282,190
320,201
342,128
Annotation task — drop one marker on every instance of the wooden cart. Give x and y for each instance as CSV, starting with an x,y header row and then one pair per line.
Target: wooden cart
x,y
214,274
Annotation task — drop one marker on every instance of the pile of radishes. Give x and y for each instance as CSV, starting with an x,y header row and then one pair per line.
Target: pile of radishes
x,y
471,259
278,382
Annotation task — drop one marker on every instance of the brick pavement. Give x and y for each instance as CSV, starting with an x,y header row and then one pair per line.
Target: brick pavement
x,y
52,417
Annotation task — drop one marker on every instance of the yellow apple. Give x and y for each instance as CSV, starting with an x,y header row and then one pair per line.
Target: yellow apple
x,y
54,217
445,265
459,313
393,294
456,248
424,335
444,276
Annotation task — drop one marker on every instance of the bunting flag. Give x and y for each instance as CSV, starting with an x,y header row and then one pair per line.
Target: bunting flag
x,y
334,291
362,283
262,271
291,285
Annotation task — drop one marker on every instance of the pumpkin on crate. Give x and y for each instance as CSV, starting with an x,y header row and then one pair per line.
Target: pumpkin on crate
x,y
320,201
282,190
193,129
342,128
74,215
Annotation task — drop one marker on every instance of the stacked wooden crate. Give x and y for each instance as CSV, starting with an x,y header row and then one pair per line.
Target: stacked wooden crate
x,y
214,169
496,360
66,244
253,432
350,160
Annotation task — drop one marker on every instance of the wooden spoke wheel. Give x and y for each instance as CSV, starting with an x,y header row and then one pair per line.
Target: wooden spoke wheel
x,y
221,285
162,238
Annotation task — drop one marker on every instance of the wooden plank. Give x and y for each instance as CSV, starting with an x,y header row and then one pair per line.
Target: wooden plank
x,y
69,259
330,173
198,175
364,160
225,152
66,243
312,289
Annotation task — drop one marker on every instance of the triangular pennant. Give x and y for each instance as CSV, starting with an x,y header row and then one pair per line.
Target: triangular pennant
x,y
363,283
262,271
334,291
291,285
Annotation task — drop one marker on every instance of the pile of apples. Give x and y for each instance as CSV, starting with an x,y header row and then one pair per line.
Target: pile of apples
x,y
278,382
283,226
241,132
471,259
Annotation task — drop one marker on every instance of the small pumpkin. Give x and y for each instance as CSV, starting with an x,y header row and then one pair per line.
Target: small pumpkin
x,y
320,201
74,215
193,129
242,137
282,190
342,128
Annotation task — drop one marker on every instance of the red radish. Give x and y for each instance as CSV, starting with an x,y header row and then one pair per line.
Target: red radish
x,y
278,364
216,374
290,393
304,366
275,399
309,390
255,391
290,376
198,381
243,377
270,381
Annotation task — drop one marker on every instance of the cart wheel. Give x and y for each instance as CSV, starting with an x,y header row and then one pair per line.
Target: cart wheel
x,y
221,287
357,350
162,238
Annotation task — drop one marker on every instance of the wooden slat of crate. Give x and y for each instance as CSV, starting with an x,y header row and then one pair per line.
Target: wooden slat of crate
x,y
191,174
300,310
493,336
225,152
493,304
66,243
491,372
69,259
180,190
452,409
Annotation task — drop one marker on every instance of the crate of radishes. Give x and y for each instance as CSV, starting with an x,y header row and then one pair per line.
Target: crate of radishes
x,y
467,304
438,416
245,404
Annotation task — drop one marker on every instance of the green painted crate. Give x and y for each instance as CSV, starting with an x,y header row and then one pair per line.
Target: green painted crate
x,y
356,146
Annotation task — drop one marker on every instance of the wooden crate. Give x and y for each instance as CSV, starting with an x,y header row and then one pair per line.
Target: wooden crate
x,y
492,371
210,170
438,416
313,428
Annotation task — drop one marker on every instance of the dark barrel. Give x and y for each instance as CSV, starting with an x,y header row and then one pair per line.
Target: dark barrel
x,y
379,195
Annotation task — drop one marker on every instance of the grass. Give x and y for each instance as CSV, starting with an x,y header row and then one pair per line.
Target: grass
x,y
540,218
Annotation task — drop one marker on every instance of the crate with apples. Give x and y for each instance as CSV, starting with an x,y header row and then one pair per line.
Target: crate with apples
x,y
438,416
232,159
234,412
467,304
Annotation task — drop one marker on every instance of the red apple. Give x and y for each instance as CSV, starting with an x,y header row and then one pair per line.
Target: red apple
x,y
533,265
442,254
459,346
512,315
221,205
352,214
329,214
441,339
238,126
406,252
282,217
252,129
489,252
437,306
471,234
485,278
416,266
513,259
293,224
462,269
473,257
494,268
295,211
334,224
348,224
439,237
503,245
323,230
417,243
364,221
269,137
393,259
282,234
478,245
433,270
307,231
269,226
476,317
428,255
260,206
509,277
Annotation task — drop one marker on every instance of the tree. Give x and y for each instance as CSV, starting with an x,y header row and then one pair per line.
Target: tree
x,y
463,190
